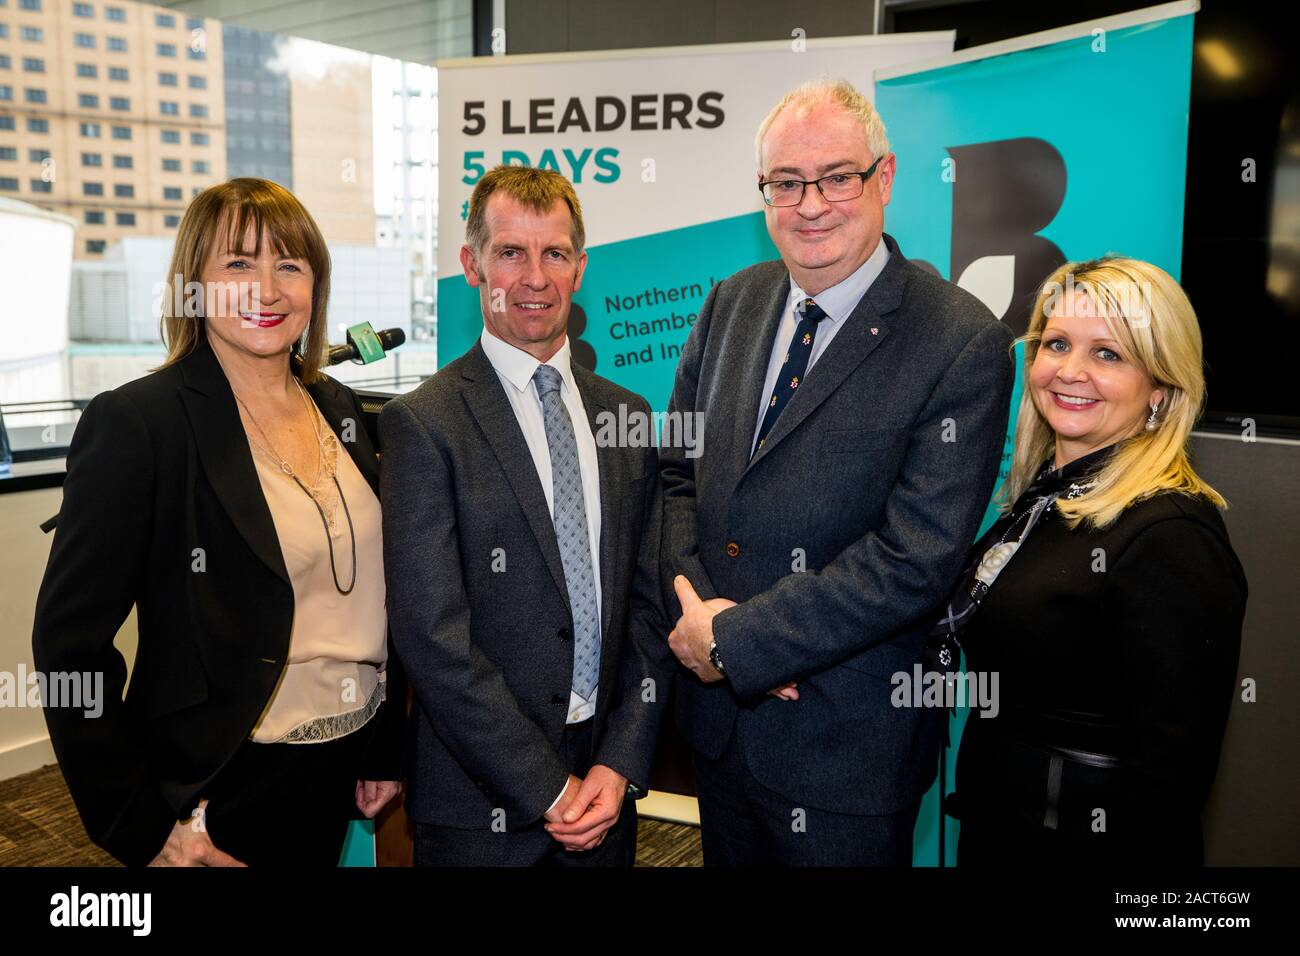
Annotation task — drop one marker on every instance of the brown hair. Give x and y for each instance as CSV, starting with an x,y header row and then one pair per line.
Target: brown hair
x,y
225,212
538,189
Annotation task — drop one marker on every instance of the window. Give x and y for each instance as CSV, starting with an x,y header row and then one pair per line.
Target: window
x,y
164,20
193,23
92,159
37,125
42,186
171,192
33,64
94,245
35,95
123,162
5,62
119,103
6,122
6,92
8,184
196,190
171,136
169,108
198,82
115,13
38,155
166,79
118,74
171,221
116,44
87,101
90,129
88,71
92,189
4,33
94,217
29,5
84,40
194,54
123,191
199,166
32,34
171,165
165,49
83,10
198,139
125,218
121,132
198,111
9,152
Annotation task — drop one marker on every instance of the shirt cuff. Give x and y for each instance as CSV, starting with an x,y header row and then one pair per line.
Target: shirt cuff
x,y
557,799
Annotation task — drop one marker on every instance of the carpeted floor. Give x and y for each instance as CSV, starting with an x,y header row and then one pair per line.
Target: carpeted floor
x,y
39,826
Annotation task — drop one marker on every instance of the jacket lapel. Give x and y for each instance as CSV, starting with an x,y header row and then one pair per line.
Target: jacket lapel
x,y
223,451
491,409
751,372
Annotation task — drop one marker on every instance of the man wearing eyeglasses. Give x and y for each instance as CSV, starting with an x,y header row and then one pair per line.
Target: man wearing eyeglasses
x,y
854,409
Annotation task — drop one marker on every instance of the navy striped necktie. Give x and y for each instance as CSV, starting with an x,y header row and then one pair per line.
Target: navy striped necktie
x,y
793,368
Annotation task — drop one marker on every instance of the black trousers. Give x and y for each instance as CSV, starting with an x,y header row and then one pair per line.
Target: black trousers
x,y
532,846
743,823
287,804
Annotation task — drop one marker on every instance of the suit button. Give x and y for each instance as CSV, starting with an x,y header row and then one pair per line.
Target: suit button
x,y
733,549
558,699
562,633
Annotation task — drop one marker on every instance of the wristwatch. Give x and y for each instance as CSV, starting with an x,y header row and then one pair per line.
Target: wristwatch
x,y
715,659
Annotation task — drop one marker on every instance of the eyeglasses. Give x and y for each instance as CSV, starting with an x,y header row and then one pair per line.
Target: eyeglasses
x,y
837,187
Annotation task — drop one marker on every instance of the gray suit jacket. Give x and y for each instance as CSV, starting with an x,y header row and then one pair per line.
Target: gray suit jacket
x,y
875,477
478,607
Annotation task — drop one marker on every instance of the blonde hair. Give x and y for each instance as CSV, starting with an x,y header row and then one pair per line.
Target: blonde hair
x,y
1153,323
829,92
224,213
537,189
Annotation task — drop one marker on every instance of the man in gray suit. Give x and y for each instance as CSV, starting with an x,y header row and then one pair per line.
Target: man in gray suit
x,y
522,564
854,412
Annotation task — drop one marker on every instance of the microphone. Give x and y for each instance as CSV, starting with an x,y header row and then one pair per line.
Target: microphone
x,y
365,345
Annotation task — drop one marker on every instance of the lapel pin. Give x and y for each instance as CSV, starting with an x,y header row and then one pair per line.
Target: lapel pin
x,y
875,331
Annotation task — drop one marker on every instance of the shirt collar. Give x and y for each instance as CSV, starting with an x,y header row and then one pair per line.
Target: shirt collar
x,y
517,367
839,301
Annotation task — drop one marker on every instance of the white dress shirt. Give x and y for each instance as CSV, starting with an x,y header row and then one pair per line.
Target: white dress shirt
x,y
838,302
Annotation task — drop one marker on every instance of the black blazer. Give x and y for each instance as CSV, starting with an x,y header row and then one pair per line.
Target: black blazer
x,y
162,509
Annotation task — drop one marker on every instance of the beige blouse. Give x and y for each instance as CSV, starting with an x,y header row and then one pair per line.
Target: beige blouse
x,y
333,681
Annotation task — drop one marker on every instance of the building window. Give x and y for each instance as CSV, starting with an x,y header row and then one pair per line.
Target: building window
x,y
8,184
92,189
88,71
9,152
5,62
42,186
94,245
6,122
4,35
123,190
165,49
198,111
35,96
83,10
171,165
92,159
171,221
171,136
124,218
164,20
115,13
33,64
38,125
121,132
171,192
38,155
169,108
29,5
167,79
123,162
119,103
194,54
199,139
199,166
116,44
88,101
84,40
6,92
94,217
32,34
193,23
198,82
118,74
90,129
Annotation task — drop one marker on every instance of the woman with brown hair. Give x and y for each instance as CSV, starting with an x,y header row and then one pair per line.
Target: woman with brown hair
x,y
231,497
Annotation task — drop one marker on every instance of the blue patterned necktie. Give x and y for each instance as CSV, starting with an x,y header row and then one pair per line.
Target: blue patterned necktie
x,y
793,369
569,514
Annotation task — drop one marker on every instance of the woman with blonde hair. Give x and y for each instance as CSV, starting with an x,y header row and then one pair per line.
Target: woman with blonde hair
x,y
1107,598
230,496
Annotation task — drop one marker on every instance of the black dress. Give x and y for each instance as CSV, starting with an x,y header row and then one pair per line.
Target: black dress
x,y
1116,655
